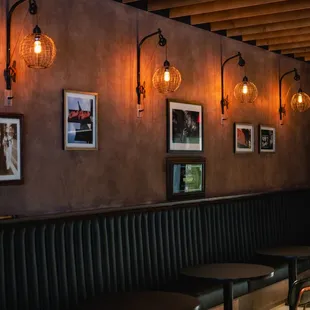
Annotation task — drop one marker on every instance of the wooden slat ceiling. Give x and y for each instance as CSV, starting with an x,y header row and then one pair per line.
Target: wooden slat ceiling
x,y
281,26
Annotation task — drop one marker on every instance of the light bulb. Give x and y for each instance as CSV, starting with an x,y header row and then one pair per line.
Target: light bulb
x,y
299,99
37,46
245,88
167,75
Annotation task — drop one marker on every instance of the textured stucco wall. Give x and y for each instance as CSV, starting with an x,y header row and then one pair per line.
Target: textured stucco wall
x,y
96,42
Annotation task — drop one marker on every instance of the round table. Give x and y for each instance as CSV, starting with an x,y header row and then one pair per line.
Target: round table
x,y
228,273
292,254
150,300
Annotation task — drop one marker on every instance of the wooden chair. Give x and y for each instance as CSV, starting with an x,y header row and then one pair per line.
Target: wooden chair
x,y
299,293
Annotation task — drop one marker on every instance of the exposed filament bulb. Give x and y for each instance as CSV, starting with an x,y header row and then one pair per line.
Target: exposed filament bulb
x,y
37,45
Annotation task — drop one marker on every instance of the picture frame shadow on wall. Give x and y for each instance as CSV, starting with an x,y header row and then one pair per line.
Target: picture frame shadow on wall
x,y
80,120
11,149
185,178
267,139
184,127
243,138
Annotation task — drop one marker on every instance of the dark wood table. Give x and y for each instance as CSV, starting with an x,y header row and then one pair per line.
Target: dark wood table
x,y
150,300
290,253
227,274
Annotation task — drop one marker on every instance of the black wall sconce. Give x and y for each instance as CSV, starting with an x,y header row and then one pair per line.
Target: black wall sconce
x,y
37,49
224,101
282,109
165,79
244,92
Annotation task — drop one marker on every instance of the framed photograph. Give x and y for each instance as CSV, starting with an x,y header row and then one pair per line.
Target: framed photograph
x,y
267,139
80,120
184,127
11,148
243,138
185,178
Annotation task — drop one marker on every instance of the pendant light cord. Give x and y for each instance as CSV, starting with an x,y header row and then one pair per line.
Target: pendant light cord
x,y
19,36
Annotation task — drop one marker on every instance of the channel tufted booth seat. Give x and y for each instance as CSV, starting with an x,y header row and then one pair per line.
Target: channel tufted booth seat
x,y
55,264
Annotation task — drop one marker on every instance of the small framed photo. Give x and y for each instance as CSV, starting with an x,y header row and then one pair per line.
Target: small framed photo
x,y
11,149
243,138
184,127
80,120
267,139
185,178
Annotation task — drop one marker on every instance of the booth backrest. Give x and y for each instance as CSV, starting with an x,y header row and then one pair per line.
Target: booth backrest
x,y
53,264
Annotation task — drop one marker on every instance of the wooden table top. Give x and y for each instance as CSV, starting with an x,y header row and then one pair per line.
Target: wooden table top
x,y
287,251
229,271
150,300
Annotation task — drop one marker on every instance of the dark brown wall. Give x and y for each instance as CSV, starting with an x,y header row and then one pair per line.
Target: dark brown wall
x,y
96,43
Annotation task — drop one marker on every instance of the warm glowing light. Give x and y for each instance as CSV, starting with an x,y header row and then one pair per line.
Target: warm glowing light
x,y
246,91
37,46
300,101
167,75
245,88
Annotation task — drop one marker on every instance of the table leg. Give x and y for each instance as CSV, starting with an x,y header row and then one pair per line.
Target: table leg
x,y
292,271
292,274
228,295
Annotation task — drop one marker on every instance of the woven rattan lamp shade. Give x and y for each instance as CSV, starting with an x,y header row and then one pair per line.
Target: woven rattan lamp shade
x,y
246,92
41,60
300,101
167,86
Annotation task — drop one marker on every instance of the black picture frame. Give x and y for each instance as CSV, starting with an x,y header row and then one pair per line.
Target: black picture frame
x,y
266,141
193,169
184,127
11,149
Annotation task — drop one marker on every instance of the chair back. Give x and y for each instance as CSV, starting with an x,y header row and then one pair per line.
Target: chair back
x,y
299,293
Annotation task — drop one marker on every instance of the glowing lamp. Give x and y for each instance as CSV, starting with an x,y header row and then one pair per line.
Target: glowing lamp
x,y
246,92
38,50
300,101
167,79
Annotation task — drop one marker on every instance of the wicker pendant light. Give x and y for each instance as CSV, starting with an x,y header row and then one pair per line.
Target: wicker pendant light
x,y
38,50
167,79
300,101
246,92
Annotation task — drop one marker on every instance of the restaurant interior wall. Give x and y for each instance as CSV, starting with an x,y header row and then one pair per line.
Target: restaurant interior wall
x,y
96,52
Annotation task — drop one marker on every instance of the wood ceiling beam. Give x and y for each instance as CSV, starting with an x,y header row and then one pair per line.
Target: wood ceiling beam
x,y
260,29
250,12
156,5
260,20
277,34
296,50
283,40
284,46
302,54
217,6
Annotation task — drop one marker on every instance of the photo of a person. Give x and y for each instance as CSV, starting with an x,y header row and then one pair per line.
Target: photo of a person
x,y
185,126
10,149
267,139
267,142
